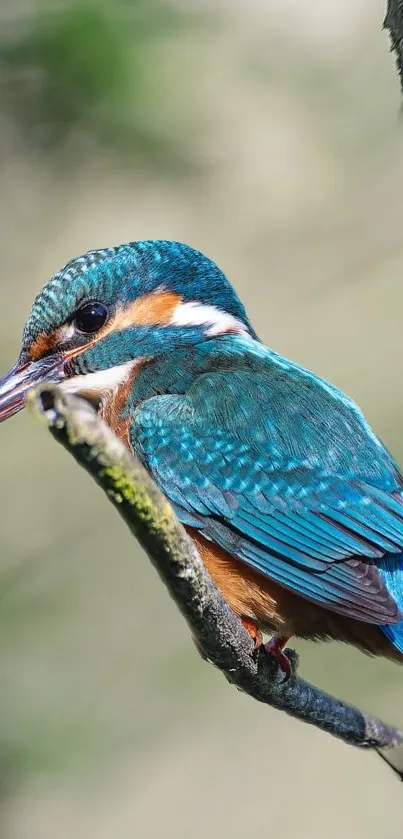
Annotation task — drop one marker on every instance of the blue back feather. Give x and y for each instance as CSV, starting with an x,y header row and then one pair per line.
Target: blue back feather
x,y
281,470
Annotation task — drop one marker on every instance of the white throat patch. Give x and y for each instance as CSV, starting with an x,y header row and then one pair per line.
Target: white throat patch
x,y
100,382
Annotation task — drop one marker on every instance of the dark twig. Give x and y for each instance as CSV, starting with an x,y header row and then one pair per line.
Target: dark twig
x,y
218,632
394,24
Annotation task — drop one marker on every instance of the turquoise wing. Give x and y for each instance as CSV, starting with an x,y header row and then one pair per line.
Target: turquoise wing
x,y
320,519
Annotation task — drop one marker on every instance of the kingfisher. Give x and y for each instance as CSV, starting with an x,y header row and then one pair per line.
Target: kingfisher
x,y
292,501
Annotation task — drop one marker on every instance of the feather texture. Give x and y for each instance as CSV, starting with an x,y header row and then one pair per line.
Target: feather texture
x,y
281,471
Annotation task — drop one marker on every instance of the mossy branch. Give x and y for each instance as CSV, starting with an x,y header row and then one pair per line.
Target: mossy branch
x,y
218,632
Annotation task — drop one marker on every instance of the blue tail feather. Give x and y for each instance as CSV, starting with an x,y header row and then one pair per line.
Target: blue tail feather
x,y
391,571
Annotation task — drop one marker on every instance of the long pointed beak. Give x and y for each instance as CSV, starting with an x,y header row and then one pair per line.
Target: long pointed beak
x,y
23,377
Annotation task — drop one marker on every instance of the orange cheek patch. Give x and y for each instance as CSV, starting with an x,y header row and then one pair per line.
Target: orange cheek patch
x,y
42,344
151,309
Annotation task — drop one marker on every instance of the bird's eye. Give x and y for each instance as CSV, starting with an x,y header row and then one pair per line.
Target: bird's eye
x,y
90,317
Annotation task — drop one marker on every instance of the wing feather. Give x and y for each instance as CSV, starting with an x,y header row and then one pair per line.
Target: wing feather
x,y
316,530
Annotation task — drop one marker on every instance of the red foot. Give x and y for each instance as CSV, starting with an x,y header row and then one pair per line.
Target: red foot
x,y
275,648
253,630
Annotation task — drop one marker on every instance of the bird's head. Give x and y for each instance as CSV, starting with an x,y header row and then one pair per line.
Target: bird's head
x,y
110,309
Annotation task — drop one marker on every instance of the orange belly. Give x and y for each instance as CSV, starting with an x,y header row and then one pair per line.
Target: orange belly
x,y
250,594
257,598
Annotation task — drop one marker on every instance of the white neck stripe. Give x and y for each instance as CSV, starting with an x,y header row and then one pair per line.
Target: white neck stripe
x,y
216,321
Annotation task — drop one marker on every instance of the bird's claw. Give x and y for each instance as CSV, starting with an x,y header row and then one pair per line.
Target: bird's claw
x,y
287,659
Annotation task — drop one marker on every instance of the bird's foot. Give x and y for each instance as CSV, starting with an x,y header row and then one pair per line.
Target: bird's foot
x,y
254,631
287,661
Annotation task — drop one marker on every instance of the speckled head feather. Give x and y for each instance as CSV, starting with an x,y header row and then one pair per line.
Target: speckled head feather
x,y
119,275
113,309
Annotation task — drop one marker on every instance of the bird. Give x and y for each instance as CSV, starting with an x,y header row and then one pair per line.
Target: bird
x,y
293,502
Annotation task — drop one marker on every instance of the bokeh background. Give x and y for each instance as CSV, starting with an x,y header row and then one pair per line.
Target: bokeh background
x,y
265,133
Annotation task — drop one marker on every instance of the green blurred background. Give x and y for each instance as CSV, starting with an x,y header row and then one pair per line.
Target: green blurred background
x,y
265,133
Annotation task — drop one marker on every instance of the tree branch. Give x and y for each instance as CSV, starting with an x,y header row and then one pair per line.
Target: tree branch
x,y
218,632
394,24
